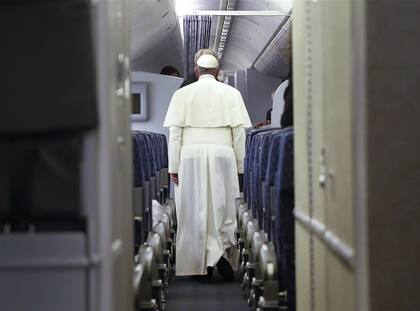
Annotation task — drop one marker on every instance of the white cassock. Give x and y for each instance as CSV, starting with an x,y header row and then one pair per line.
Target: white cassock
x,y
207,121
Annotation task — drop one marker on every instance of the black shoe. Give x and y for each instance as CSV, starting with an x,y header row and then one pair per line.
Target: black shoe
x,y
225,270
207,277
210,273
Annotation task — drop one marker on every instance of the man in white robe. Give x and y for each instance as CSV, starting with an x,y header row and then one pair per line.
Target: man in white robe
x,y
207,121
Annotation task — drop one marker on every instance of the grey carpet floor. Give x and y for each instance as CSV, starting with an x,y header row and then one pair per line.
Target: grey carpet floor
x,y
188,294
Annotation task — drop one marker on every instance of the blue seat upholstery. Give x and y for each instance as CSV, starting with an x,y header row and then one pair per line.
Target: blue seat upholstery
x,y
165,151
263,167
273,156
149,159
249,145
284,222
138,170
256,180
269,162
143,156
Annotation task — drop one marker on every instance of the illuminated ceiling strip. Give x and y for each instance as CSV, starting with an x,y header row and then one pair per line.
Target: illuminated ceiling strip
x,y
234,13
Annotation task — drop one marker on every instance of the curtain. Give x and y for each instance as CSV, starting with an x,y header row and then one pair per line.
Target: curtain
x,y
196,36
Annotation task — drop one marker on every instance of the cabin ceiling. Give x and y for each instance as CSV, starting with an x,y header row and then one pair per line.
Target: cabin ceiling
x,y
156,40
253,41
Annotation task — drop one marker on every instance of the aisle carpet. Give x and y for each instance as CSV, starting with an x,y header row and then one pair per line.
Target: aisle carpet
x,y
189,294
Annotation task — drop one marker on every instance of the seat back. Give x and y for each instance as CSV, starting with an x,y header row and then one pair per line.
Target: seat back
x,y
46,108
284,237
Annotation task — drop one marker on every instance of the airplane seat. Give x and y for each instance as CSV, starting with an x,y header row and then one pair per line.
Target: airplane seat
x,y
166,249
247,268
138,193
269,191
147,188
166,183
240,225
257,240
262,166
163,214
267,296
47,110
157,164
266,144
248,164
245,178
164,168
154,179
41,156
255,176
39,188
271,173
170,204
268,171
161,164
170,209
155,257
157,242
252,174
245,217
149,285
256,180
284,219
138,277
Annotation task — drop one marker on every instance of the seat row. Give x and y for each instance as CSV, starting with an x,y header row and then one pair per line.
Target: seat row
x,y
151,182
154,221
265,220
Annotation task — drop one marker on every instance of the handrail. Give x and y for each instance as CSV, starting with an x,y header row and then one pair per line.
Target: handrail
x,y
333,242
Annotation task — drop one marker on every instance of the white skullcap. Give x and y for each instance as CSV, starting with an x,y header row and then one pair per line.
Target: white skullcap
x,y
207,61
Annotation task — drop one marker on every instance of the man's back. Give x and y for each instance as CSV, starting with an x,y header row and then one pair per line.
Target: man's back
x,y
207,103
206,150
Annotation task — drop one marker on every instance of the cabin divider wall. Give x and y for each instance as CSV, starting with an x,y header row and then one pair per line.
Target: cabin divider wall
x,y
356,160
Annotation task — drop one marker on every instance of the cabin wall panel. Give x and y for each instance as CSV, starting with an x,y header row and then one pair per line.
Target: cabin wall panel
x,y
314,64
340,285
302,236
303,268
369,89
337,72
259,88
240,83
393,153
338,118
322,71
160,89
123,215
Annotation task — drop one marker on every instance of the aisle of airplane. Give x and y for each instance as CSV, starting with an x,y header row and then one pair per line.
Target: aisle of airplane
x,y
328,215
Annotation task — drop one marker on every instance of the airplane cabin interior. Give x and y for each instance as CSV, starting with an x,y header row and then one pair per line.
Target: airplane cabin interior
x,y
328,205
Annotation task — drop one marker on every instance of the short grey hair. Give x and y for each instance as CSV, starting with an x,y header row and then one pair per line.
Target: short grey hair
x,y
203,52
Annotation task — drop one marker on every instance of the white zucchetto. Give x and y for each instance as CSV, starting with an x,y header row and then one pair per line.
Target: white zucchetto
x,y
207,61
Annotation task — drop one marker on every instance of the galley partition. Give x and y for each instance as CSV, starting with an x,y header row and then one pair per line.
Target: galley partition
x,y
64,237
356,155
44,117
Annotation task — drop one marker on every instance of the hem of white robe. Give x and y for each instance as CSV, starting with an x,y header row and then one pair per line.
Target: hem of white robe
x,y
232,259
230,253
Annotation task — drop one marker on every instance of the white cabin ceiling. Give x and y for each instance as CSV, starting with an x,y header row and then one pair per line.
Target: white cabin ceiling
x,y
157,41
